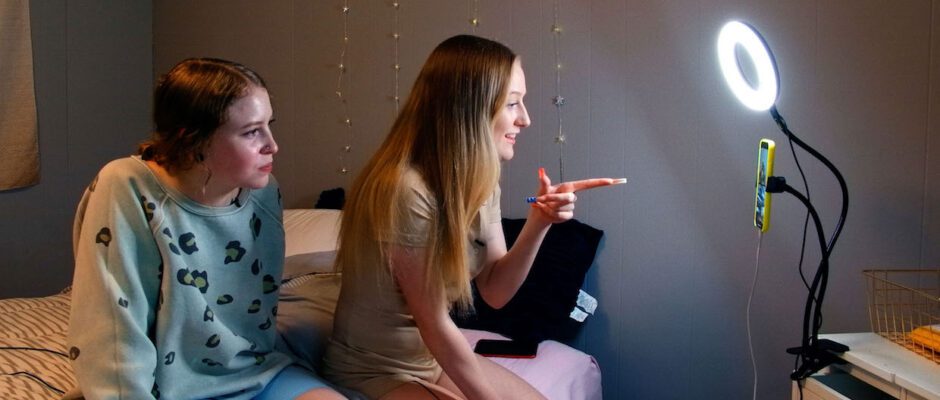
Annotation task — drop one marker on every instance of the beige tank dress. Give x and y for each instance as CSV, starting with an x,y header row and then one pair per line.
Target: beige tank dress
x,y
376,345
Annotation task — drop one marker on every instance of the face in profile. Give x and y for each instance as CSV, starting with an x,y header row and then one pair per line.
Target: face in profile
x,y
241,151
512,115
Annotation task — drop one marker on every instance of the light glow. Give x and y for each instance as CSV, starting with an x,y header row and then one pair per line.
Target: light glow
x,y
764,96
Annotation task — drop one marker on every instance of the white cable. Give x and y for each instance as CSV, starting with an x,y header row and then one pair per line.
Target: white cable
x,y
750,297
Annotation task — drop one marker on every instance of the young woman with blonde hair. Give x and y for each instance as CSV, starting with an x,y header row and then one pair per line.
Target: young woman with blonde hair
x,y
423,220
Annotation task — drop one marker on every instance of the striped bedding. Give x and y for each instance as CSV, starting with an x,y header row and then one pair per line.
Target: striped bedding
x,y
34,361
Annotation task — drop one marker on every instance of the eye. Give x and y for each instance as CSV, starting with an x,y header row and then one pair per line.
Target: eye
x,y
253,132
512,104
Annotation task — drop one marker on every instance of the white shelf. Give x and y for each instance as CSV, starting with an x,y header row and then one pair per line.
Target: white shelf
x,y
888,366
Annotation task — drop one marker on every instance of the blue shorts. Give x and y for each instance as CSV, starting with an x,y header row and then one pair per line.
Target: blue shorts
x,y
291,382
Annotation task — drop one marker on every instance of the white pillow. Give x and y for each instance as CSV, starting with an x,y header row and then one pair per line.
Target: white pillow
x,y
310,241
319,262
558,371
310,230
305,315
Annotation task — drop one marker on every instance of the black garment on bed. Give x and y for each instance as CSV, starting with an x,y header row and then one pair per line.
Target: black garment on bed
x,y
332,199
540,309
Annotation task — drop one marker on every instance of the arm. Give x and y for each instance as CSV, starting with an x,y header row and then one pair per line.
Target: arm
x,y
505,271
438,331
114,294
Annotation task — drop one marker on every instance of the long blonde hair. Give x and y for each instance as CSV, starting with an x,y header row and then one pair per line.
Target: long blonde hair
x,y
444,131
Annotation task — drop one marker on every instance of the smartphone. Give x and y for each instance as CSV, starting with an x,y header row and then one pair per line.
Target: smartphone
x,y
506,348
765,168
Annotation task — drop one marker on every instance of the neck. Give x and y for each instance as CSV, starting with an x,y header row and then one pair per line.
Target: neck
x,y
197,184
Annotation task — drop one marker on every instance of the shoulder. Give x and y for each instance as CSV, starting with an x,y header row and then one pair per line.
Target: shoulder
x,y
492,207
122,168
414,189
411,178
128,175
494,201
414,194
268,198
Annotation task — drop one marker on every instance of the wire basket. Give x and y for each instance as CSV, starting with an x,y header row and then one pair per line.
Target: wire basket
x,y
904,307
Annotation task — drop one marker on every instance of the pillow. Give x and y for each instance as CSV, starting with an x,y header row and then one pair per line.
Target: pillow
x,y
310,230
542,307
310,241
305,315
558,371
318,262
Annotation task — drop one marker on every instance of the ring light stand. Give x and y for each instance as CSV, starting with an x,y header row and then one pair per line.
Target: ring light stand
x,y
814,354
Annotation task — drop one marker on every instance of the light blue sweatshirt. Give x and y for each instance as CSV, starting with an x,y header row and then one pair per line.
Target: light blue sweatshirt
x,y
173,299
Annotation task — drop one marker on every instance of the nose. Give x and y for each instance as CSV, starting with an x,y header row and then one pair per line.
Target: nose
x,y
271,147
523,119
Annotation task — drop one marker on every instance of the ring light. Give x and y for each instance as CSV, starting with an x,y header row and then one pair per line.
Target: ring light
x,y
764,96
813,353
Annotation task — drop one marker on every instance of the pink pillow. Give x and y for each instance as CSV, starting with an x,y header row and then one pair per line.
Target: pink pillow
x,y
558,371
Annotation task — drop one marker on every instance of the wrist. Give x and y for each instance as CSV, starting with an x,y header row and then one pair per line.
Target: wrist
x,y
538,219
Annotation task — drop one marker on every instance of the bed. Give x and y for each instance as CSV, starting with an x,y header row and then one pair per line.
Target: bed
x,y
34,360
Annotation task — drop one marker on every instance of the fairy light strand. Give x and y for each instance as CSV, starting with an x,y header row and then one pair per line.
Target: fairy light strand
x,y
558,100
342,67
396,37
472,15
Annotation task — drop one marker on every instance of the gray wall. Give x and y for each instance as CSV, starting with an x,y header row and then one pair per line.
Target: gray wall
x,y
645,101
93,70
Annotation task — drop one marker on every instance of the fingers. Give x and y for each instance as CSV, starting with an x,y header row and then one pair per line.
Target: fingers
x,y
584,184
555,213
555,200
545,183
556,207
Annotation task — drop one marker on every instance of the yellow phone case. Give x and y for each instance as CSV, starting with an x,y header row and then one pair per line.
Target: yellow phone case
x,y
765,168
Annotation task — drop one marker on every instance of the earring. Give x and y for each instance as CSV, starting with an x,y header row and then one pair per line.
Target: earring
x,y
206,183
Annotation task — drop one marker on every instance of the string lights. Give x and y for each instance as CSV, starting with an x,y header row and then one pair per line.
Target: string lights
x,y
557,99
342,67
472,16
396,36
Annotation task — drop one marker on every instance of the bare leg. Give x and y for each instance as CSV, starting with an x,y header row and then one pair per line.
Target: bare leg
x,y
321,394
507,384
422,390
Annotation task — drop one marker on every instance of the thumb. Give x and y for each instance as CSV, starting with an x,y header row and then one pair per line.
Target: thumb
x,y
545,183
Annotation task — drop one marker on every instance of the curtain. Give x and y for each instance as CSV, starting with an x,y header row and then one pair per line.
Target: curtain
x,y
19,144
